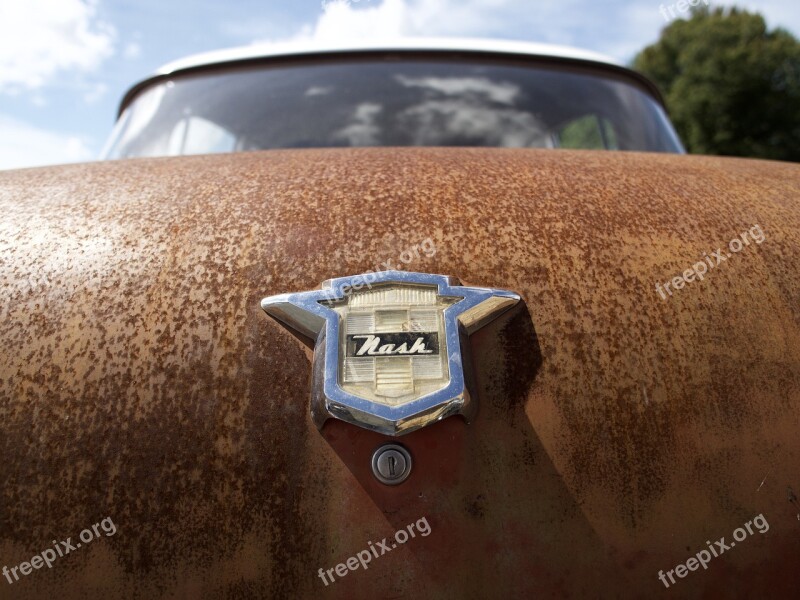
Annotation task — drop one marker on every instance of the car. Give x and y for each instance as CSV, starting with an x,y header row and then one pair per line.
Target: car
x,y
425,318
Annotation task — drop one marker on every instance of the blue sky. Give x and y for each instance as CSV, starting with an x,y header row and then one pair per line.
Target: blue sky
x,y
64,64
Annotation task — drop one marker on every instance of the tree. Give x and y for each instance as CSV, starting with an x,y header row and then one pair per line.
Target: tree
x,y
731,86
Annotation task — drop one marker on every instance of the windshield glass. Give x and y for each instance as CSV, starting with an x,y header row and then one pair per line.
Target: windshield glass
x,y
391,103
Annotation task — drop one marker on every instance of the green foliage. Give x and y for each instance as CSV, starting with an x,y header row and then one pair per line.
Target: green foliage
x,y
588,131
732,87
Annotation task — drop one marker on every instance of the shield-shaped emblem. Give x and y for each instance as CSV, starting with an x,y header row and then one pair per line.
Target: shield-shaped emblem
x,y
390,346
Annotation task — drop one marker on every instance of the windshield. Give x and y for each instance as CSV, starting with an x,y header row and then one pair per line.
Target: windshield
x,y
389,102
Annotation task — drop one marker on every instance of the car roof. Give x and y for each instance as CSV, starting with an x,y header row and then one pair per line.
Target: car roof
x,y
256,51
264,52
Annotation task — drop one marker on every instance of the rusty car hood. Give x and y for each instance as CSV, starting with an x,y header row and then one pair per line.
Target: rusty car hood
x,y
617,432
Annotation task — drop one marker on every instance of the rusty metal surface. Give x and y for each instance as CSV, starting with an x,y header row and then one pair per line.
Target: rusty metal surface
x,y
140,380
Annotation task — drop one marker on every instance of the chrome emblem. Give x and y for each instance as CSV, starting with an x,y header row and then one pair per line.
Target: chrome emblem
x,y
389,347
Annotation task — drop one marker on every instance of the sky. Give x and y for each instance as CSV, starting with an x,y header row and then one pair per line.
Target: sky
x,y
65,64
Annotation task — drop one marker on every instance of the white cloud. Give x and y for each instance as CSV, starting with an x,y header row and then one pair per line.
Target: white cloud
x,y
343,20
500,92
549,21
362,129
318,90
132,50
38,38
95,93
619,29
25,145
